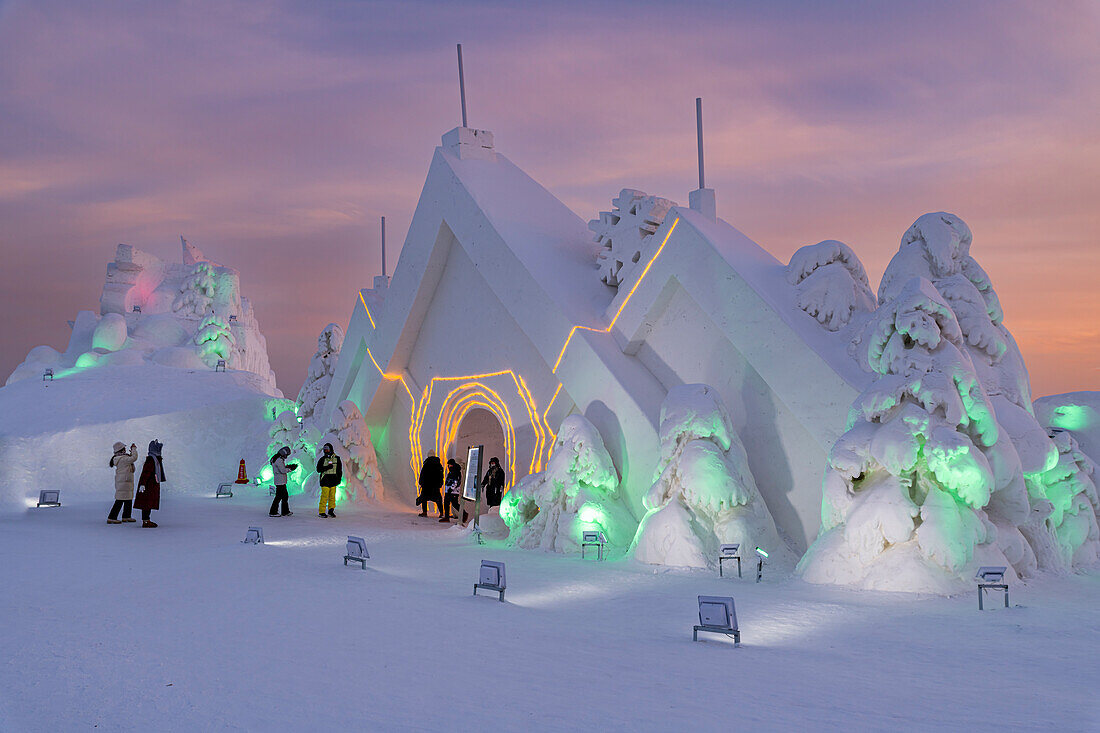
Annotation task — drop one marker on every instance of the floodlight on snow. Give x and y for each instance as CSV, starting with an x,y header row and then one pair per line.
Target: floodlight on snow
x,y
137,309
729,552
492,578
232,319
48,374
49,497
356,551
991,578
224,490
254,535
762,555
220,366
717,615
593,538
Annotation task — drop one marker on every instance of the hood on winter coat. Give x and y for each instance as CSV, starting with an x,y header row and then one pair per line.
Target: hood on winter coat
x,y
154,447
119,447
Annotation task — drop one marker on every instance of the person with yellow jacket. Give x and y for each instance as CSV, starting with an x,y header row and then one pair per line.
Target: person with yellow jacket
x,y
331,470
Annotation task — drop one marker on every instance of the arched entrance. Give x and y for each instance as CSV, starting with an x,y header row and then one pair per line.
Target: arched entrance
x,y
479,427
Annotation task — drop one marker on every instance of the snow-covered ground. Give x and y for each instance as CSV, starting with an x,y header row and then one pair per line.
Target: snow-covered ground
x,y
185,628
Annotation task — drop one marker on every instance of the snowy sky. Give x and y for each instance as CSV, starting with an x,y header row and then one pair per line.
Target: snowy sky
x,y
273,135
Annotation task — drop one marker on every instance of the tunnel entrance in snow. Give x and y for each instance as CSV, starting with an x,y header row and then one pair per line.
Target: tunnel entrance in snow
x,y
479,427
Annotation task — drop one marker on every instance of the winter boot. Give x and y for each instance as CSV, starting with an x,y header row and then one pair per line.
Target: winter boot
x,y
128,519
148,523
114,521
272,514
445,519
288,514
322,515
332,513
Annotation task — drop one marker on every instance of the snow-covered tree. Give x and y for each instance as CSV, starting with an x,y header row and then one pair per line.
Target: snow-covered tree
x,y
1070,488
311,398
937,247
578,491
908,485
351,441
831,283
704,494
196,294
215,340
302,440
623,231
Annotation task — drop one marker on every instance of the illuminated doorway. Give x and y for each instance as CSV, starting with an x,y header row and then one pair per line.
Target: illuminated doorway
x,y
479,427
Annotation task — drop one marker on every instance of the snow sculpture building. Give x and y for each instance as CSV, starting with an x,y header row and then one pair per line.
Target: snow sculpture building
x,y
497,313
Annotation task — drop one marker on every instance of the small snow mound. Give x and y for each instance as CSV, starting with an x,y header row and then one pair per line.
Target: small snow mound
x,y
110,333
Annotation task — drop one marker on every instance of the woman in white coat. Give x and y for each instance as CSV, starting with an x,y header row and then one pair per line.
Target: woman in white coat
x,y
123,463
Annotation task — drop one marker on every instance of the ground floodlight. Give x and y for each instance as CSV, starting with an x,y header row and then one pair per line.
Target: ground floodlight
x,y
49,497
492,578
718,615
593,538
137,309
356,551
220,366
232,319
762,556
991,577
254,535
48,374
729,552
224,490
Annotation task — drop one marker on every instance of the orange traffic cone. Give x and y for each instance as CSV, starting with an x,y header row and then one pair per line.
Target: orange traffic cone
x,y
242,476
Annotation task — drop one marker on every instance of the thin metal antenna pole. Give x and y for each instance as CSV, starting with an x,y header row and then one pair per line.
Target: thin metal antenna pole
x,y
383,246
461,85
699,131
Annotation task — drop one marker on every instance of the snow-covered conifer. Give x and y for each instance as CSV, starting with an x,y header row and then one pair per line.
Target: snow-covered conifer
x,y
703,494
831,283
579,490
196,294
311,398
215,340
351,441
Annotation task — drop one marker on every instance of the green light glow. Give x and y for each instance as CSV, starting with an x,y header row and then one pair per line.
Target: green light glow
x,y
592,514
267,473
1071,417
762,552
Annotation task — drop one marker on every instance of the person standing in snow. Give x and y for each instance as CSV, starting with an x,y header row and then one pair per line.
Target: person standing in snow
x,y
281,468
123,463
152,476
331,471
431,481
493,483
452,487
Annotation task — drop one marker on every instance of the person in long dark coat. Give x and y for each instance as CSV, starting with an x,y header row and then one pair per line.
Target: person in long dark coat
x,y
152,476
453,489
431,483
493,483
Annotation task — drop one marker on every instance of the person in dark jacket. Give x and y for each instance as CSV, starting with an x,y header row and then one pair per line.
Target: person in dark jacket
x,y
280,468
452,487
431,481
152,476
493,483
331,470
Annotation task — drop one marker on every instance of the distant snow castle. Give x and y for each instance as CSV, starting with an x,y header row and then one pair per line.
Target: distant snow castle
x,y
722,383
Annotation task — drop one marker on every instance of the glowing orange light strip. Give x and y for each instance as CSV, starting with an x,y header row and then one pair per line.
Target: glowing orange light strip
x,y
364,302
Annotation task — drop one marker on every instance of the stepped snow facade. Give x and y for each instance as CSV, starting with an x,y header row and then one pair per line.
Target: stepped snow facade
x,y
721,384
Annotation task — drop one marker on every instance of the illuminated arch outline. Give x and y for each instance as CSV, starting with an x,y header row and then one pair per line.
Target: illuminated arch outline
x,y
538,422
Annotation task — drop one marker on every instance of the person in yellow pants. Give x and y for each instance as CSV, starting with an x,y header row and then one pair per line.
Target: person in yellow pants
x,y
331,471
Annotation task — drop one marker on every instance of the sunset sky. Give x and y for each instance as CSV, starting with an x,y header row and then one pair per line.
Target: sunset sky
x,y
273,135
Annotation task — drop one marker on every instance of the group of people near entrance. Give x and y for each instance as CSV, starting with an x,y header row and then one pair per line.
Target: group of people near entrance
x,y
148,483
330,470
444,490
